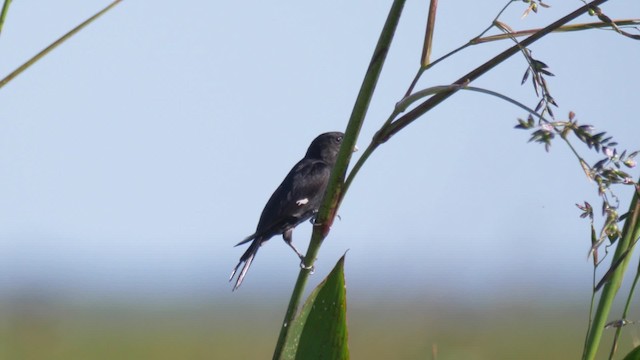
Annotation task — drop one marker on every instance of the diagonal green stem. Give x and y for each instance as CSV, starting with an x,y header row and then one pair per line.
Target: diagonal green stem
x,y
55,44
327,211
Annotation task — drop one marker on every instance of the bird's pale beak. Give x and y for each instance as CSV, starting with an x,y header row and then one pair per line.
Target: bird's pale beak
x,y
355,148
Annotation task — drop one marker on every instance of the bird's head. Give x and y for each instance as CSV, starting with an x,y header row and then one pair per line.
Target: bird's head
x,y
325,147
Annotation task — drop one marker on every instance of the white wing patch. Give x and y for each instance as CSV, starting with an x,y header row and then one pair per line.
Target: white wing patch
x,y
302,201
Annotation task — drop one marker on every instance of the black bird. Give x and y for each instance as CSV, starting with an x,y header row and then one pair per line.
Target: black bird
x,y
296,200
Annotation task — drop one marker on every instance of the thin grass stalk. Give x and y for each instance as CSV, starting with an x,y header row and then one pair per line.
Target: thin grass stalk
x,y
427,46
328,209
591,308
428,34
566,28
55,44
3,14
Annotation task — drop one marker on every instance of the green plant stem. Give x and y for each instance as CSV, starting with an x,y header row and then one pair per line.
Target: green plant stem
x,y
328,209
55,44
3,15
630,232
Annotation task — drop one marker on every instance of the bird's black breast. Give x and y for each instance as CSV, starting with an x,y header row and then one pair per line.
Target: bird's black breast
x,y
296,199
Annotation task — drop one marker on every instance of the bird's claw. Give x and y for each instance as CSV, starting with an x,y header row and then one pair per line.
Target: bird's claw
x,y
311,268
312,219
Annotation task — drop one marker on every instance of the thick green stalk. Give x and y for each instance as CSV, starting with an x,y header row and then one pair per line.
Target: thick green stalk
x,y
327,211
630,231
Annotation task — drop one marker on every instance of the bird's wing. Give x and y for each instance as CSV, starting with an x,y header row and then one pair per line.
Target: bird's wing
x,y
296,198
309,184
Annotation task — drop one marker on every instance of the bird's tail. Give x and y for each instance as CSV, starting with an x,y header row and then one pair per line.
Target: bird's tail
x,y
245,259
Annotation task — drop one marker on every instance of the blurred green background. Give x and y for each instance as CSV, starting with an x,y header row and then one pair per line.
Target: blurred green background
x,y
49,329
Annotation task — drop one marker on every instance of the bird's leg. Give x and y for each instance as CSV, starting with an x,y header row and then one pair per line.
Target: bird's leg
x,y
288,238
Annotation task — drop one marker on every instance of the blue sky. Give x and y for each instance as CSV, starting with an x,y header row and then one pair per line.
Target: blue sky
x,y
138,153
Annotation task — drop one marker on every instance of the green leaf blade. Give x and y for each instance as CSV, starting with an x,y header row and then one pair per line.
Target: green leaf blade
x,y
320,329
634,354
